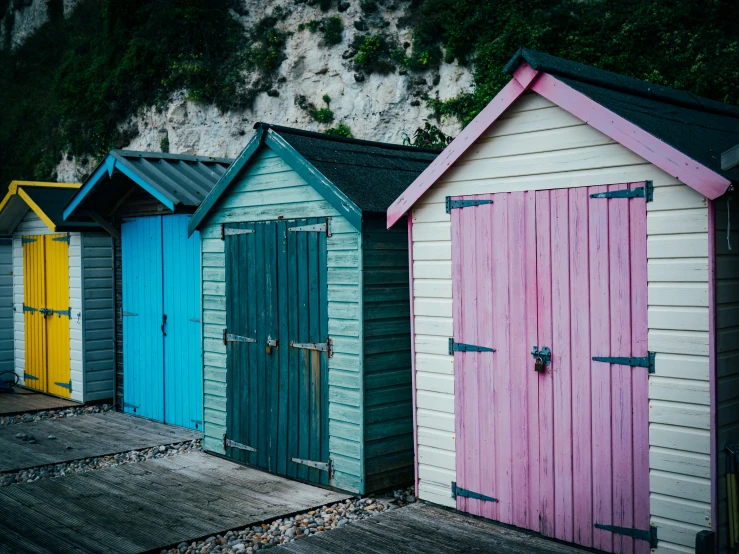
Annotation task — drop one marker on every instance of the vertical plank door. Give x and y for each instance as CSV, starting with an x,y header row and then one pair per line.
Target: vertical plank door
x,y
143,361
277,383
494,299
563,451
34,324
245,315
57,322
306,293
183,367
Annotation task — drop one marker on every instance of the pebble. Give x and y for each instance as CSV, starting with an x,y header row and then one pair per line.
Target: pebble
x,y
286,530
91,464
55,414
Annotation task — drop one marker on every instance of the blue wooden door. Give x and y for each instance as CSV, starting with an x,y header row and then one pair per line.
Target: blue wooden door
x,y
183,373
143,354
277,347
162,360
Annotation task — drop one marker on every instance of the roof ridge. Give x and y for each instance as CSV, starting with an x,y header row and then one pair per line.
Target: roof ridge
x,y
615,81
337,138
168,156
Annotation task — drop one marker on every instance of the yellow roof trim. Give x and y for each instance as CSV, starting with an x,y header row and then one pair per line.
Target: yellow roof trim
x,y
38,211
15,184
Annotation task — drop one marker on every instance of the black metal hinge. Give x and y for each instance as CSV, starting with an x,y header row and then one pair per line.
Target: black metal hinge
x,y
230,231
228,443
321,466
457,204
326,347
459,491
67,313
28,309
30,377
316,228
65,238
25,240
228,337
461,347
129,405
649,535
647,361
67,386
647,191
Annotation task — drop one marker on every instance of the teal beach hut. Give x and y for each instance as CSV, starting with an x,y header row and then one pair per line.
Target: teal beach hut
x,y
306,329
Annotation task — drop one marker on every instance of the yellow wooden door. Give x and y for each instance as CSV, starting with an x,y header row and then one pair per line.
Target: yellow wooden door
x,y
57,322
34,299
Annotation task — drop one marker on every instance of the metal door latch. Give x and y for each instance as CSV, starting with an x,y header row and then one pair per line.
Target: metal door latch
x,y
45,311
164,322
542,358
271,343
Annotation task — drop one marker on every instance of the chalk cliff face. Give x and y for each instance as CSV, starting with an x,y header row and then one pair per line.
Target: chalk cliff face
x,y
375,107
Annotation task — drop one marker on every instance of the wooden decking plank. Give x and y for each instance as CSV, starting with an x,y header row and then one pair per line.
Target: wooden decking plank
x,y
57,498
138,517
54,527
28,402
10,536
168,433
134,483
147,506
458,525
90,435
371,542
267,487
424,529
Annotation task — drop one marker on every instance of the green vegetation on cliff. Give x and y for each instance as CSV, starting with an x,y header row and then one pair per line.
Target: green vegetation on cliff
x,y
683,44
74,84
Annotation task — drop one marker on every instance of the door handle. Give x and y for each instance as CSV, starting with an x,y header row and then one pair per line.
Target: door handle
x,y
164,322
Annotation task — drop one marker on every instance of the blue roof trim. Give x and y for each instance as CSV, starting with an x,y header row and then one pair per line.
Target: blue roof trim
x,y
106,166
225,180
315,178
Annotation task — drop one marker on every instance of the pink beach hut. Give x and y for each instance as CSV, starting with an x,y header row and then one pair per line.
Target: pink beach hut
x,y
574,297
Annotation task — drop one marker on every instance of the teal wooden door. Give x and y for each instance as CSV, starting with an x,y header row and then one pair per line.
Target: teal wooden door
x,y
278,347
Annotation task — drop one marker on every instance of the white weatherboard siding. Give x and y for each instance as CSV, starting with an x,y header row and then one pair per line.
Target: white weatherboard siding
x,y
536,145
266,190
32,225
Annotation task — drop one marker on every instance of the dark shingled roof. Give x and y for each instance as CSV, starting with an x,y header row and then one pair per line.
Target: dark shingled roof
x,y
700,128
52,201
371,174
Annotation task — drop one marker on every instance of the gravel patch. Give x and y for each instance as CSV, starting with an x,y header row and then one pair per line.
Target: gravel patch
x,y
285,530
91,464
55,414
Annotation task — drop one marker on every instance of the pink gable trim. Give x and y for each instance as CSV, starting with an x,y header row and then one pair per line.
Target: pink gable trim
x,y
451,153
709,183
695,175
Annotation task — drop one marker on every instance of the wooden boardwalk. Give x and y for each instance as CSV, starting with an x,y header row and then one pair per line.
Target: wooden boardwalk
x,y
88,436
425,529
23,400
146,506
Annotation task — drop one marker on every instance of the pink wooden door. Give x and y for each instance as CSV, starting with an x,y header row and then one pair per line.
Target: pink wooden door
x,y
560,451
